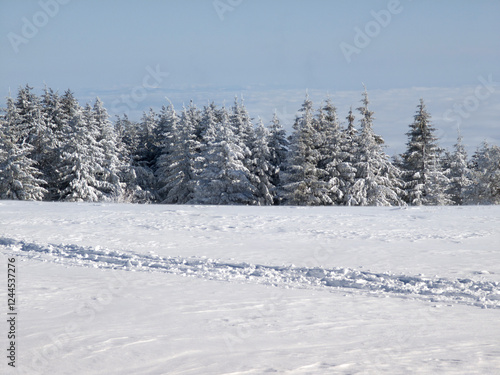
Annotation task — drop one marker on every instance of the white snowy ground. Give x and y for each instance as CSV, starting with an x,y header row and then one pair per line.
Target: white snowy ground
x,y
137,289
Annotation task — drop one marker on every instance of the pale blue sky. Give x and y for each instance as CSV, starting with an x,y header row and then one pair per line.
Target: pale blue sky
x,y
104,48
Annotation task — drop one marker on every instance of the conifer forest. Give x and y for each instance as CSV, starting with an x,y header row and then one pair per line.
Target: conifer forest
x,y
54,149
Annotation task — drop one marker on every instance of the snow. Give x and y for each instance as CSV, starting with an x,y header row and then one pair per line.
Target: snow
x,y
162,289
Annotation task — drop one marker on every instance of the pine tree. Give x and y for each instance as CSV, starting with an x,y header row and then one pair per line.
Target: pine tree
x,y
69,107
303,181
459,174
329,148
58,112
348,149
54,140
111,163
174,166
127,132
376,180
205,128
19,177
221,176
278,150
262,168
425,181
148,149
241,126
179,168
81,157
165,132
31,128
485,187
245,139
144,157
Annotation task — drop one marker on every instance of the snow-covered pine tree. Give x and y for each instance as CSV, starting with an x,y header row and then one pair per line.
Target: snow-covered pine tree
x,y
50,156
127,133
171,139
241,125
69,107
245,138
112,164
278,150
425,182
205,128
347,157
459,174
178,168
51,105
262,168
145,155
80,167
19,178
59,111
194,116
148,150
485,187
221,176
165,131
328,143
377,181
31,128
120,126
303,182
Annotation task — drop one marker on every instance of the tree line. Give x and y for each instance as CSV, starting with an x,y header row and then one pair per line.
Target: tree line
x,y
53,149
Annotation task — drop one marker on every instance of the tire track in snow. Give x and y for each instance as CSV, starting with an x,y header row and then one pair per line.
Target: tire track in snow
x,y
484,294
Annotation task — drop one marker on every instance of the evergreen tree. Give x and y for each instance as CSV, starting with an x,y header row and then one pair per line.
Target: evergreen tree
x,y
348,149
80,167
178,170
165,132
377,180
262,168
31,129
459,174
53,142
221,176
245,138
19,177
485,187
278,150
145,156
148,151
425,182
89,166
69,107
205,128
241,126
303,182
111,163
329,148
173,166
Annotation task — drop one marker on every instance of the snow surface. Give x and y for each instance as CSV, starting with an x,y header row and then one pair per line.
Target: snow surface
x,y
157,289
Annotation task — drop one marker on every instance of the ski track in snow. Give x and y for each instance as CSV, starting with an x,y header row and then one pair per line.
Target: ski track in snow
x,y
485,294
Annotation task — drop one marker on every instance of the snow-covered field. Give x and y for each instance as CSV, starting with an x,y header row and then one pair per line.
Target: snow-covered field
x,y
142,289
